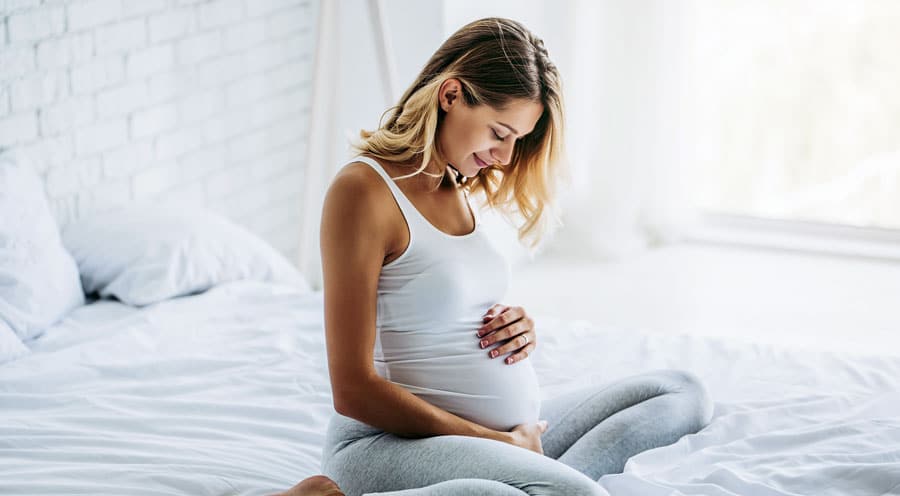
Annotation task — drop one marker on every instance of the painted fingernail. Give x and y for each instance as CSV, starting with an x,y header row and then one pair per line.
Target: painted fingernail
x,y
509,360
484,343
493,353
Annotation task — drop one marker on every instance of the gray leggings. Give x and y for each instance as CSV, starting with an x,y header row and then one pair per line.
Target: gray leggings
x,y
592,432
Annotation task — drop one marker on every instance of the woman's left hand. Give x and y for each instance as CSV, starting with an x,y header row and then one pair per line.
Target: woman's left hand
x,y
512,327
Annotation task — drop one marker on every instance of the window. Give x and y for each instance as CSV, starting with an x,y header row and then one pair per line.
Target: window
x,y
796,110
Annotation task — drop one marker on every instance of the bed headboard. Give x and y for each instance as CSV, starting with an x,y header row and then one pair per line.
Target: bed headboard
x,y
201,103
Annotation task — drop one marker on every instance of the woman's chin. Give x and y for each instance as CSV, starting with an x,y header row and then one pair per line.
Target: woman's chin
x,y
472,171
468,168
468,172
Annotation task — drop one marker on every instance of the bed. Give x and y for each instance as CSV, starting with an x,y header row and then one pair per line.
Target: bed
x,y
215,382
226,392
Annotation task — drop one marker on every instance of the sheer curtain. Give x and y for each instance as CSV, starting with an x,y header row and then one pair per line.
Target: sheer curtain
x,y
626,72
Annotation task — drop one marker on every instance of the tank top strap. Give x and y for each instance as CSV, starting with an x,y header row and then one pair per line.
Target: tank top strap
x,y
406,206
410,212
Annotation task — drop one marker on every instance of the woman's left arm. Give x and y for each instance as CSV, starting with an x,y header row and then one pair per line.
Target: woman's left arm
x,y
510,326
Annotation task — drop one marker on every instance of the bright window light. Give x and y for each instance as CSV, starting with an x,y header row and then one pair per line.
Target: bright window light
x,y
796,109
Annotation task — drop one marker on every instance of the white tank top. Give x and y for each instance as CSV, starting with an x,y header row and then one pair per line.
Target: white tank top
x,y
431,300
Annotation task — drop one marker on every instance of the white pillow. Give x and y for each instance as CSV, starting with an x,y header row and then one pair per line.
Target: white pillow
x,y
10,345
39,282
146,254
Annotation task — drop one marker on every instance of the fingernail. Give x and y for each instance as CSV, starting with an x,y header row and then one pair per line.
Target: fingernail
x,y
484,343
509,360
493,353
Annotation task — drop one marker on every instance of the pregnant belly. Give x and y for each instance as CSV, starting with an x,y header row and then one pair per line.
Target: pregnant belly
x,y
473,386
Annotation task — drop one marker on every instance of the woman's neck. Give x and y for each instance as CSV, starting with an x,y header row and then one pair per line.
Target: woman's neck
x,y
435,177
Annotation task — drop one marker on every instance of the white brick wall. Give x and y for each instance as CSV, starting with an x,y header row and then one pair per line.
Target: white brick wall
x,y
198,102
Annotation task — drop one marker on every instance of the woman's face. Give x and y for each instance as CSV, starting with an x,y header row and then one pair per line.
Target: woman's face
x,y
472,138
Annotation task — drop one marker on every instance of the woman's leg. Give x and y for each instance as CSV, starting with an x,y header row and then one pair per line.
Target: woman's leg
x,y
457,487
319,485
382,462
597,429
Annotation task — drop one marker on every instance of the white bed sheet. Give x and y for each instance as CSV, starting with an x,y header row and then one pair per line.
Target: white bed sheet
x,y
786,422
227,393
219,393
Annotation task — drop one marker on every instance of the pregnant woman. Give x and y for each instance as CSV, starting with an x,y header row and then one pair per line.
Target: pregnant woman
x,y
433,388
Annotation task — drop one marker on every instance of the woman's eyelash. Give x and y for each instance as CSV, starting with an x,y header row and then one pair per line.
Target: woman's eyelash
x,y
501,138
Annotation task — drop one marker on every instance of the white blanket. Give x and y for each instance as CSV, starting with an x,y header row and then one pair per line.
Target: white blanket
x,y
227,393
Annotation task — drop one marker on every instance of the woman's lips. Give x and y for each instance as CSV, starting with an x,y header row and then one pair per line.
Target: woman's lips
x,y
480,162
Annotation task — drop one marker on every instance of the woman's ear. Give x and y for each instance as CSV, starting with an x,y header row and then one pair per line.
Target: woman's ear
x,y
450,93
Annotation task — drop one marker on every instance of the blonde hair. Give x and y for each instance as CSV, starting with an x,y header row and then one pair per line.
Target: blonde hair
x,y
496,61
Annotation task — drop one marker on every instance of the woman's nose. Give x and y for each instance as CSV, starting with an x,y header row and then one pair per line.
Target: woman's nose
x,y
503,153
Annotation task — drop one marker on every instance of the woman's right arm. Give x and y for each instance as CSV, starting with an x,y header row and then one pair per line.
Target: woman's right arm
x,y
354,241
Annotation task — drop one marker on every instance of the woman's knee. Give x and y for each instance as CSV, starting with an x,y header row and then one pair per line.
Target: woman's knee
x,y
700,405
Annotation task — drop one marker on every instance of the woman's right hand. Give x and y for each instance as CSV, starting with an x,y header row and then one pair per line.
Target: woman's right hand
x,y
528,436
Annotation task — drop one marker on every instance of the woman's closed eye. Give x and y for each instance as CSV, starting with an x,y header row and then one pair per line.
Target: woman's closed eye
x,y
498,137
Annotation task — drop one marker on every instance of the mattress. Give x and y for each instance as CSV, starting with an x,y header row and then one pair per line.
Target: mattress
x,y
227,392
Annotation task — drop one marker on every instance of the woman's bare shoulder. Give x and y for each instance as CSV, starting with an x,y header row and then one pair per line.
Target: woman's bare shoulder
x,y
358,183
358,196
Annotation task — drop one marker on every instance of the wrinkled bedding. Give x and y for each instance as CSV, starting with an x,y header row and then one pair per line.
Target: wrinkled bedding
x,y
226,392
